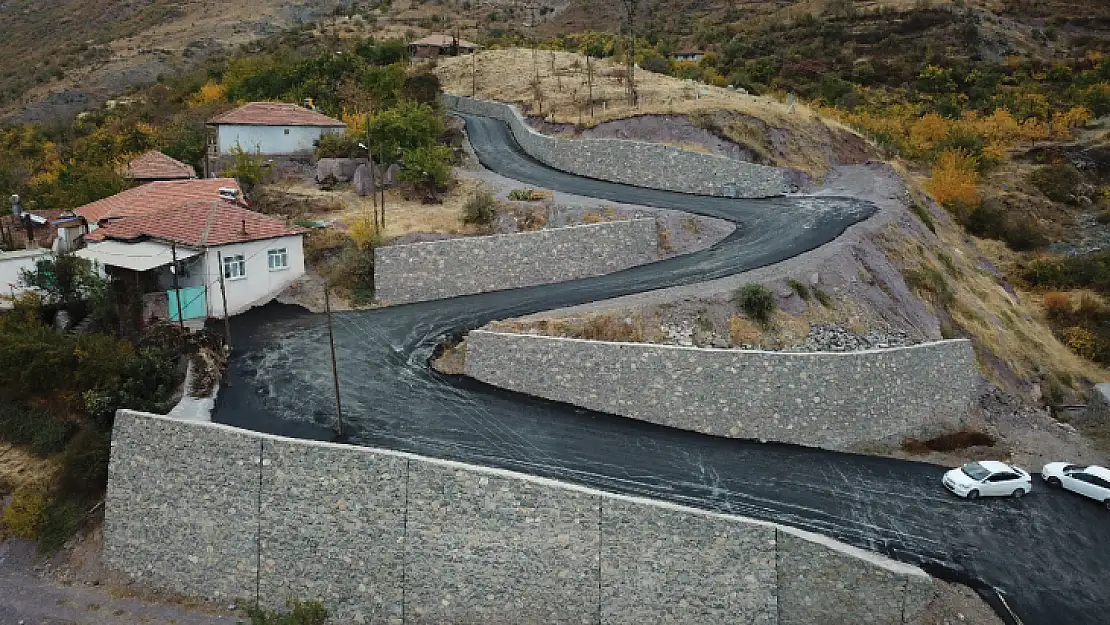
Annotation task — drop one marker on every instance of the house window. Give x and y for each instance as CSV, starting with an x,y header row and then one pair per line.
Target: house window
x,y
235,267
279,259
286,131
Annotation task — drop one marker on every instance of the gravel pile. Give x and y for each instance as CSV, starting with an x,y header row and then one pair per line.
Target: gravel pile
x,y
827,337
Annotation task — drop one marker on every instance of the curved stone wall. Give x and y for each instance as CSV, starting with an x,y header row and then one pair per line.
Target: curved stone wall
x,y
831,400
635,163
439,269
387,537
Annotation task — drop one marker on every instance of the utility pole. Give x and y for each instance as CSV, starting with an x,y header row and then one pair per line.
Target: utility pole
x,y
474,74
630,9
176,290
334,369
223,296
370,170
590,83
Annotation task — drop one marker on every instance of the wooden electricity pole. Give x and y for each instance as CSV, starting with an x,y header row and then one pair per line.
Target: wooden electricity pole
x,y
334,368
630,10
223,296
590,83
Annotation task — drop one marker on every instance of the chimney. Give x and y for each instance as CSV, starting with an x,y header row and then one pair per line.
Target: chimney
x,y
309,105
244,232
17,208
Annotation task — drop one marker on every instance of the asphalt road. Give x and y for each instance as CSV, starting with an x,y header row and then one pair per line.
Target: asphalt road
x,y
1047,554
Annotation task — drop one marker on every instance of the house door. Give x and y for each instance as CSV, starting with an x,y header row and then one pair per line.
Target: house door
x,y
193,303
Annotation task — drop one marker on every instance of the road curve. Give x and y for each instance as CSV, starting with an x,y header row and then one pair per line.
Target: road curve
x,y
1048,554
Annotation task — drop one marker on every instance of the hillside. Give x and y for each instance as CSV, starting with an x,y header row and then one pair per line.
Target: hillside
x,y
62,57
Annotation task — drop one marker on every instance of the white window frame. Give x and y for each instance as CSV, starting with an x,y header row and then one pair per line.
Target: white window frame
x,y
281,253
235,267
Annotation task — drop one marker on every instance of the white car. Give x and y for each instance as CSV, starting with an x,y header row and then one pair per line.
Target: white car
x,y
1090,481
988,478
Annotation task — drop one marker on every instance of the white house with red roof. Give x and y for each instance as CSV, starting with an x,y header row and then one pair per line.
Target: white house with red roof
x,y
209,234
273,128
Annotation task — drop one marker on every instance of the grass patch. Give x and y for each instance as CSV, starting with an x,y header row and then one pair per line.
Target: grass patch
x,y
930,280
60,520
948,263
923,214
757,302
800,289
824,298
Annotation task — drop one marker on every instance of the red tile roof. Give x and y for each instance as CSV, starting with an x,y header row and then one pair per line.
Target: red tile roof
x,y
274,114
154,165
198,223
154,197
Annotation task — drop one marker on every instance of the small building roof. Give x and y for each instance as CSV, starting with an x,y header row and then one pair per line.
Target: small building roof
x,y
198,224
443,41
275,114
140,256
154,165
154,197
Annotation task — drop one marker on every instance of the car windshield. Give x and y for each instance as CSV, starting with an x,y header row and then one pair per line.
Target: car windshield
x,y
975,471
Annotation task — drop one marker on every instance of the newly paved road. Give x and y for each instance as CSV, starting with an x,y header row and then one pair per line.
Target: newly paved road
x,y
1048,554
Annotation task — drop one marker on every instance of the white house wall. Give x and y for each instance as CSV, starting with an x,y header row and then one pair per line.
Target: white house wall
x,y
260,285
12,264
270,139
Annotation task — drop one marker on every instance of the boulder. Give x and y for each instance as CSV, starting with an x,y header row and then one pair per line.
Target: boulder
x,y
340,169
363,180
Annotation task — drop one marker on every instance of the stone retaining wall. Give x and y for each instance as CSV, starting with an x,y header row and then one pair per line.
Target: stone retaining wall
x,y
831,400
637,163
440,269
386,537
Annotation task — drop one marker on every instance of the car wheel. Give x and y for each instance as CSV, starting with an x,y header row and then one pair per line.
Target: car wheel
x,y
1019,493
972,494
1054,481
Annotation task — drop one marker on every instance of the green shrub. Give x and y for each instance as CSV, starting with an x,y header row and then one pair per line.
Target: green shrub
x,y
24,514
60,521
924,215
822,297
353,270
799,288
481,207
40,431
338,145
85,463
1059,183
757,302
1090,271
522,195
299,613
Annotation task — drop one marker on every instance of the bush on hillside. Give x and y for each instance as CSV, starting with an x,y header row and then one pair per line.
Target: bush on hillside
x,y
757,302
1059,183
480,208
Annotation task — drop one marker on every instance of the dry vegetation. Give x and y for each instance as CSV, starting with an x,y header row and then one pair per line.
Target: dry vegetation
x,y
507,75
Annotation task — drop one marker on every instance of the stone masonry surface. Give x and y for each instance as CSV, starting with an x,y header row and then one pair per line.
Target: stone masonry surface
x,y
440,269
388,537
1097,413
835,401
633,162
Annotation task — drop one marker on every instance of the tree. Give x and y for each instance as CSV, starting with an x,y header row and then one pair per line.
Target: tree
x,y
428,168
404,127
64,279
249,169
423,88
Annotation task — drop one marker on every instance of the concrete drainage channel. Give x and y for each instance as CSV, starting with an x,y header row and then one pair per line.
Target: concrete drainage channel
x,y
280,383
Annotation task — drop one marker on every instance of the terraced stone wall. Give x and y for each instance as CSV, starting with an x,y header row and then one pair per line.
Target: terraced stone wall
x,y
439,269
836,401
386,537
633,162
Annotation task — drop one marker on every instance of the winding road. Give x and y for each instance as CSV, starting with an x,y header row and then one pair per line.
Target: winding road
x,y
1048,554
